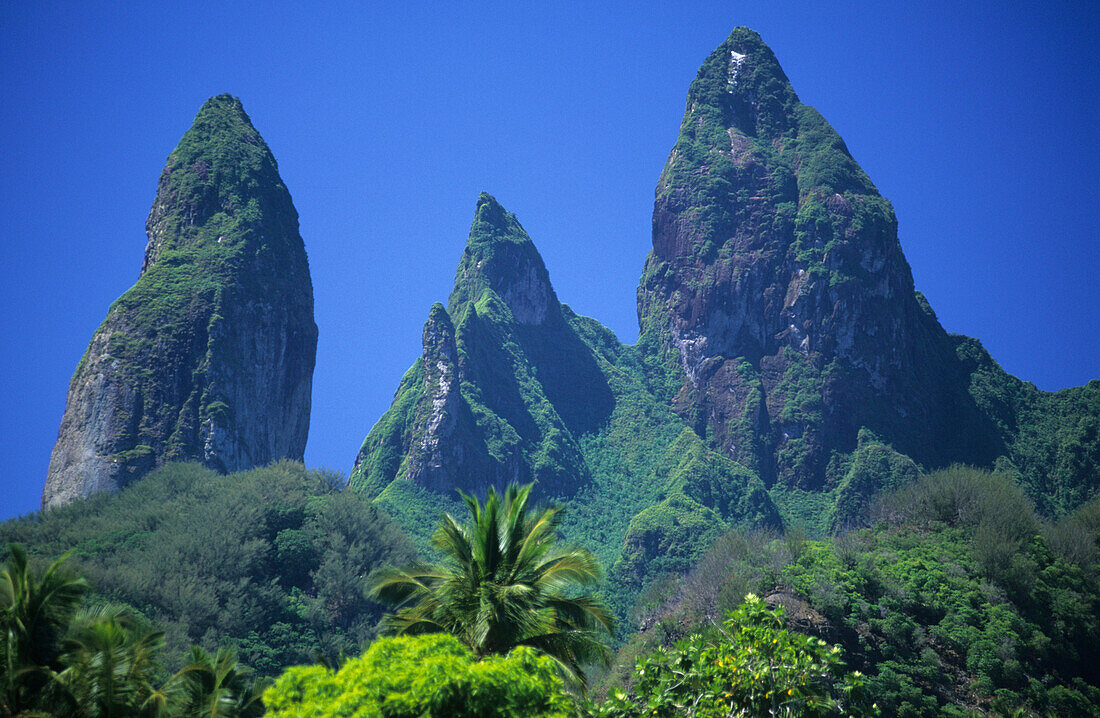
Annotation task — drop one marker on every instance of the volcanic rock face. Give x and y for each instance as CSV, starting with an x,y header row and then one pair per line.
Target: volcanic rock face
x,y
511,385
210,355
778,289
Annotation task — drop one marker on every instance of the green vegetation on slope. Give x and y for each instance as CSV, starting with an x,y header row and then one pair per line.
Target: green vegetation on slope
x,y
270,561
959,597
1052,438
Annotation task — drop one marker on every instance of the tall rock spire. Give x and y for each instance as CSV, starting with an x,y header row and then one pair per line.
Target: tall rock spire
x,y
777,290
209,356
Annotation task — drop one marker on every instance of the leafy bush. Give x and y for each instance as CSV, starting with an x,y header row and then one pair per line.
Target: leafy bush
x,y
415,676
755,667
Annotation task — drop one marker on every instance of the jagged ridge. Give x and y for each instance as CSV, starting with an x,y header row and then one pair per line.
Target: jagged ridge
x,y
782,344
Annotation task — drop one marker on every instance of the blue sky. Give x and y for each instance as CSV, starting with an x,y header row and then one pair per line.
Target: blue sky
x,y
977,120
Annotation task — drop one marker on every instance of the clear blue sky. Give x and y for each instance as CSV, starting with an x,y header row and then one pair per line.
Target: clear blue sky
x,y
977,120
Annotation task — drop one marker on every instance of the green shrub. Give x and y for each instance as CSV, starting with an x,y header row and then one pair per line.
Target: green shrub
x,y
415,676
755,667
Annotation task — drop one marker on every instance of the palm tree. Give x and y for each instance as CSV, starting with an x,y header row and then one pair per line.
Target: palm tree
x,y
503,582
34,613
217,687
110,663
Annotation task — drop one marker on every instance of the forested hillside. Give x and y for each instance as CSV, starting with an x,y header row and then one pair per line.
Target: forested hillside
x,y
958,598
269,561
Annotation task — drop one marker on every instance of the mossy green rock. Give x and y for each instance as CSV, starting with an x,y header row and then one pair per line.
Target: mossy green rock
x,y
783,312
210,355
480,407
513,386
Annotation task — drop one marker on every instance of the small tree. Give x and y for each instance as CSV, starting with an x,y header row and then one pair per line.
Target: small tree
x,y
756,668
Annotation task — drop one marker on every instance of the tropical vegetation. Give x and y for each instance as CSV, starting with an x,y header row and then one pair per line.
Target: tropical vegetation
x,y
502,582
269,562
752,666
429,675
61,658
957,598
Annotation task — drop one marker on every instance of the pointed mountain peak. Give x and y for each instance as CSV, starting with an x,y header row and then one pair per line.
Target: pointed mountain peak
x,y
488,202
220,120
493,223
439,332
218,185
223,102
220,125
741,85
500,256
772,246
209,356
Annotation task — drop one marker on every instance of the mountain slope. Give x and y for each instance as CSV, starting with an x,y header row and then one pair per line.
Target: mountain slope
x,y
778,288
210,355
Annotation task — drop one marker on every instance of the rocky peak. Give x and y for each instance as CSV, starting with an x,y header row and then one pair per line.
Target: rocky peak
x,y
777,284
500,256
439,336
741,85
219,188
210,355
436,456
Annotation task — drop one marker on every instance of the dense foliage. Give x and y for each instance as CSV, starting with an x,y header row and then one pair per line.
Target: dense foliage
x,y
752,667
958,597
430,675
58,660
269,561
1051,439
